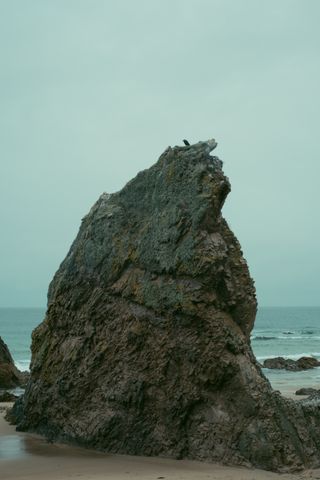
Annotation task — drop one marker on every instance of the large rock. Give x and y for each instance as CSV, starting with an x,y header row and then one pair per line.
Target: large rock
x,y
280,363
145,347
9,375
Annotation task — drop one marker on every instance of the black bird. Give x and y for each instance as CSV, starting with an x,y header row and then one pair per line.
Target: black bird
x,y
186,142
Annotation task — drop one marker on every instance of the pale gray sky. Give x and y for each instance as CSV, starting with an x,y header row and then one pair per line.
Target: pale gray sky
x,y
92,91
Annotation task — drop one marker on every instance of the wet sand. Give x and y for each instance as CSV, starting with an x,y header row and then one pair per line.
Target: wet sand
x,y
24,456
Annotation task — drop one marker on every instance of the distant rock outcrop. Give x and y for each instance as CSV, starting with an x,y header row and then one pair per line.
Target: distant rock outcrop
x,y
10,376
280,363
8,397
145,348
308,391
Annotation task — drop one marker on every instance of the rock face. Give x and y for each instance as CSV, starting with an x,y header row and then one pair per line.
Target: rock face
x,y
280,363
145,346
10,376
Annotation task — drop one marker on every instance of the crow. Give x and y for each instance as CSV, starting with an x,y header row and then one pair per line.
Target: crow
x,y
186,142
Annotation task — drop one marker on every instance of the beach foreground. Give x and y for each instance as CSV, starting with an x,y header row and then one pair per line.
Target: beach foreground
x,y
26,456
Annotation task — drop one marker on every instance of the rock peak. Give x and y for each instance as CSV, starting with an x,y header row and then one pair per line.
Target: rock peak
x,y
208,145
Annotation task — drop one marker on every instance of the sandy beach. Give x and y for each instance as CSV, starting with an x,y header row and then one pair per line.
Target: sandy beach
x,y
24,456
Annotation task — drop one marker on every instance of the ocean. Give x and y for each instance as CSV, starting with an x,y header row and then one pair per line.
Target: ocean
x,y
289,332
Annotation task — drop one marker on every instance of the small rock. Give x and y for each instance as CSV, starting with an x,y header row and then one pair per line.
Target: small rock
x,y
304,363
307,391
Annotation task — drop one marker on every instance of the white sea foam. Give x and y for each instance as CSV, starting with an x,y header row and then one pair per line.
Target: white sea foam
x,y
23,365
17,391
270,337
291,356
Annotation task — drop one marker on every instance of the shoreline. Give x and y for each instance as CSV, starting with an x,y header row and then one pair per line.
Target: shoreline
x,y
25,456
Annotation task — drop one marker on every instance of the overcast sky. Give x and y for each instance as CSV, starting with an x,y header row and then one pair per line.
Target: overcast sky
x,y
92,91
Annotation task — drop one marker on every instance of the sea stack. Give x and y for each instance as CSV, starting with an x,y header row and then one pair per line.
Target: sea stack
x,y
145,348
10,376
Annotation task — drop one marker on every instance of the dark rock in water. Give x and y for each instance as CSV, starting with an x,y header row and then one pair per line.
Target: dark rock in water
x,y
145,346
307,391
10,376
303,363
7,397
